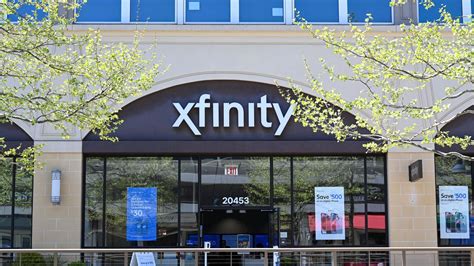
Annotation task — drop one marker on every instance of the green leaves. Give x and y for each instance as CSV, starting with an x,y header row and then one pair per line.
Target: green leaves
x,y
49,74
394,72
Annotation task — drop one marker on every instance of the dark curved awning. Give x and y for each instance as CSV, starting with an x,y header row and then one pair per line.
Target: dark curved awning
x,y
15,136
148,124
460,127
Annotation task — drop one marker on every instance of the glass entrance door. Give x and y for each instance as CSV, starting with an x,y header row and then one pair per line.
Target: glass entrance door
x,y
238,228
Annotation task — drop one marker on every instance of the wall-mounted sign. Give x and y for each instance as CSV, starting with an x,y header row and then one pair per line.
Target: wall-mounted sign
x,y
231,170
415,171
329,213
454,212
141,214
245,114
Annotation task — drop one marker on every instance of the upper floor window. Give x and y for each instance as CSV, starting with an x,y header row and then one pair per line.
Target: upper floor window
x,y
236,11
261,11
100,11
343,11
457,8
26,10
379,10
208,11
152,10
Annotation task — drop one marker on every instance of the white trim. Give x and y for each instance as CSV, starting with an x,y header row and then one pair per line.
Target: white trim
x,y
289,12
180,11
343,11
466,11
234,11
125,11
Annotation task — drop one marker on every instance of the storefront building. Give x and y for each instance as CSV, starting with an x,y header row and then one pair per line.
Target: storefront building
x,y
212,148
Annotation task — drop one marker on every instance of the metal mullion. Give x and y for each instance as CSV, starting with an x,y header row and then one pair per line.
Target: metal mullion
x,y
365,202
292,203
179,203
271,183
12,221
104,200
271,216
199,201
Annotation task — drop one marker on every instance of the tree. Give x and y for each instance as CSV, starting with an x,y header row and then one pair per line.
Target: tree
x,y
49,74
390,72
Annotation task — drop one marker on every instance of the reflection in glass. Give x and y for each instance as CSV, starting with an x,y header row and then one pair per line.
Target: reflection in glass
x,y
282,197
93,202
125,172
376,201
311,172
6,183
189,202
233,181
23,205
455,172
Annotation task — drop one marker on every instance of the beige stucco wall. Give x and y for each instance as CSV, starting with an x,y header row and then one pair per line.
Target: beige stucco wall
x,y
57,226
412,205
264,54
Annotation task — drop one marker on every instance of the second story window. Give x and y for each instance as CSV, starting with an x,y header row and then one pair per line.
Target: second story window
x,y
208,11
26,10
261,11
152,10
379,10
100,11
454,7
317,10
343,11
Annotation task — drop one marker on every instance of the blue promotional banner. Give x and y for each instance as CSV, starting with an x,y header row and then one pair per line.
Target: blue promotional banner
x,y
141,214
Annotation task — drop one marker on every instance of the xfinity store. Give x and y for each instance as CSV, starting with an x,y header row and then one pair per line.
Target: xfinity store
x,y
224,162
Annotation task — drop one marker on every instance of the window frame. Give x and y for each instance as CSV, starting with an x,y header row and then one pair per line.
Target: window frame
x,y
13,188
466,7
271,157
471,198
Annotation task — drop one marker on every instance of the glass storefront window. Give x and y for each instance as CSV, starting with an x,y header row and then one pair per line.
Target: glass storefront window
x,y
198,198
451,171
189,205
16,188
231,181
311,172
282,198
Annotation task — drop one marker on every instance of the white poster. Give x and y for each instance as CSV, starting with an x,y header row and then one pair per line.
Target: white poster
x,y
329,213
454,212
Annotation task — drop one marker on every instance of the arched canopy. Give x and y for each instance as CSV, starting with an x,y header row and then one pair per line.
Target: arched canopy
x,y
460,127
162,123
15,136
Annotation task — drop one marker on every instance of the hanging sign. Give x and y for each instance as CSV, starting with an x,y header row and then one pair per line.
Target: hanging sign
x,y
231,170
454,212
329,213
141,214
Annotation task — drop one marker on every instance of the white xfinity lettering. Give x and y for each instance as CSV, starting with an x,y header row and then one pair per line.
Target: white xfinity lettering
x,y
204,103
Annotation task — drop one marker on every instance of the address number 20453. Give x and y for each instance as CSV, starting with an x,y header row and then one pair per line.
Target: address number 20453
x,y
235,200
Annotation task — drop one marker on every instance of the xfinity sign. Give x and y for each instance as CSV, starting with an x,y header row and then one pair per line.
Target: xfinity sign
x,y
245,114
